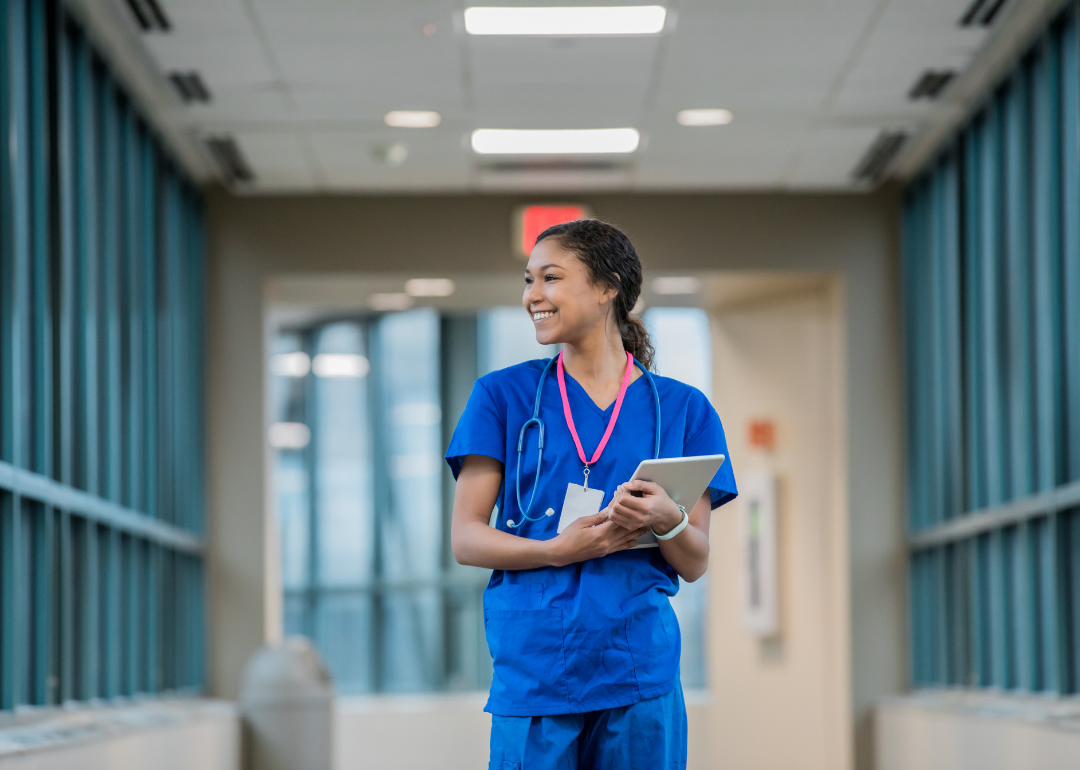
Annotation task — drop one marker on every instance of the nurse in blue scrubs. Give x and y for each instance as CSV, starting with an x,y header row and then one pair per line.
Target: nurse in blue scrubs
x,y
580,627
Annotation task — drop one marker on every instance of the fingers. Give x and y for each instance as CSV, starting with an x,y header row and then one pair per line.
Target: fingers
x,y
629,502
629,515
631,541
597,518
639,485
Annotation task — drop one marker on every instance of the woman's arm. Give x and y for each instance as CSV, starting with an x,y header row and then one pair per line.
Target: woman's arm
x,y
479,545
688,551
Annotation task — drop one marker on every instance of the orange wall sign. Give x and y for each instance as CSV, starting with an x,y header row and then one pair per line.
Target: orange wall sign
x,y
763,434
530,221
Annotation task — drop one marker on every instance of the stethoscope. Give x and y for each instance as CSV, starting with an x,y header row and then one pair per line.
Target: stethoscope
x,y
535,420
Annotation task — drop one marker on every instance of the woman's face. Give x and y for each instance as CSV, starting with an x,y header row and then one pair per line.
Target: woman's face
x,y
564,304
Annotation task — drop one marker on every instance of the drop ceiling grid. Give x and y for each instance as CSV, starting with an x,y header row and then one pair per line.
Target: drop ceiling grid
x,y
347,156
829,156
333,44
216,38
911,39
763,58
344,63
746,162
280,159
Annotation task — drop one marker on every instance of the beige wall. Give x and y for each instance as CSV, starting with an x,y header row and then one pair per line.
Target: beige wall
x,y
851,236
781,359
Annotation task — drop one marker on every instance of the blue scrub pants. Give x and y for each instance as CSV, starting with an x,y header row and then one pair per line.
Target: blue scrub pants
x,y
649,735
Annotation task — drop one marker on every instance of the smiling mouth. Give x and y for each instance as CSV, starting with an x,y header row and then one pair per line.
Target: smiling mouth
x,y
543,315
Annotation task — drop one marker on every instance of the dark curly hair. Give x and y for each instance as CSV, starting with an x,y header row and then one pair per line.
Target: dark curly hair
x,y
612,260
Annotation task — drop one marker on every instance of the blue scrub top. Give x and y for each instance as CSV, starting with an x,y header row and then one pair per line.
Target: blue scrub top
x,y
601,633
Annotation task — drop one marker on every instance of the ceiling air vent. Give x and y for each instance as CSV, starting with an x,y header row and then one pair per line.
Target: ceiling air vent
x,y
931,84
881,153
190,86
149,16
227,153
512,166
981,13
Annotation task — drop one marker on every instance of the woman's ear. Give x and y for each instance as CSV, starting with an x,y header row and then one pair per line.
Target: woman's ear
x,y
613,291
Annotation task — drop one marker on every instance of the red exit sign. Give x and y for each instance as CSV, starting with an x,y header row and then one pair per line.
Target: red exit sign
x,y
530,221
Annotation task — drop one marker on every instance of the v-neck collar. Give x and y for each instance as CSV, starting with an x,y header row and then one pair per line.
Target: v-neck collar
x,y
588,399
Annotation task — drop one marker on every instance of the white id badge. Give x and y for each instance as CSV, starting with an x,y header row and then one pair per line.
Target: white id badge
x,y
579,502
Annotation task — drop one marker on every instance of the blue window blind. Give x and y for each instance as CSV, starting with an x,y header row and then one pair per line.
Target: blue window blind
x,y
101,252
991,284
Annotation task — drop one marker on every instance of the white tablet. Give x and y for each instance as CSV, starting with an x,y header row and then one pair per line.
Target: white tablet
x,y
685,479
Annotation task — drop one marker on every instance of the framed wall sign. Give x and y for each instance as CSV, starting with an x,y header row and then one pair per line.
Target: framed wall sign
x,y
757,536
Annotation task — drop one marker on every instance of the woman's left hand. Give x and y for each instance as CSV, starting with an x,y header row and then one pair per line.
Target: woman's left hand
x,y
653,509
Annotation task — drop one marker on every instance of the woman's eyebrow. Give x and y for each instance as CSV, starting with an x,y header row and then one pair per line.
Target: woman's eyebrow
x,y
542,268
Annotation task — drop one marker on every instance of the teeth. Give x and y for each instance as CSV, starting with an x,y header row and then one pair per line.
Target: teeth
x,y
545,314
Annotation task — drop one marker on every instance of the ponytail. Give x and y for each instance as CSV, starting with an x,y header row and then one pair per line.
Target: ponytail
x,y
610,259
635,340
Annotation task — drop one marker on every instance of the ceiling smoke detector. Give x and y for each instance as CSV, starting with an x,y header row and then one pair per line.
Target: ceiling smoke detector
x,y
390,154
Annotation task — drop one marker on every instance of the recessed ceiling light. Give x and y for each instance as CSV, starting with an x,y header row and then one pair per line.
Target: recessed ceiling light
x,y
709,117
390,301
289,435
340,365
412,119
673,284
608,20
290,364
429,287
513,141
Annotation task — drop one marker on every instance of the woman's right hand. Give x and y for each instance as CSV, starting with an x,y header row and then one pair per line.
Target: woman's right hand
x,y
591,537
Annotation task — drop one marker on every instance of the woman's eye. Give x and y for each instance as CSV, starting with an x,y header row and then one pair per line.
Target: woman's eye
x,y
550,277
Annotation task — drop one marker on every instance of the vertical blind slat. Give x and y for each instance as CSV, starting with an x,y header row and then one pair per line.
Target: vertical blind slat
x,y
86,611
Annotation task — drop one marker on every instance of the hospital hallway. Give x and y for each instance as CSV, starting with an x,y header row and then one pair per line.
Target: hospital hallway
x,y
255,256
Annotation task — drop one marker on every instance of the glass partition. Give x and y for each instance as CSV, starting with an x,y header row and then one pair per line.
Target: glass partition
x,y
363,409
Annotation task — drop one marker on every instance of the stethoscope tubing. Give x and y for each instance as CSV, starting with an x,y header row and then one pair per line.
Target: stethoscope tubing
x,y
537,421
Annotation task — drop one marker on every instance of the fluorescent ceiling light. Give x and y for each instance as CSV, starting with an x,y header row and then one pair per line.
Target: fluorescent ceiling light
x,y
340,365
429,287
676,285
289,435
513,141
290,364
709,117
608,20
412,119
397,300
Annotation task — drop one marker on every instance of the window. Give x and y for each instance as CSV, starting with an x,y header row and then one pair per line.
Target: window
x,y
684,352
101,488
992,305
363,411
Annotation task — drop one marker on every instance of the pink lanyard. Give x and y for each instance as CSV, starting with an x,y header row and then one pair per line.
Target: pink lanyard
x,y
611,422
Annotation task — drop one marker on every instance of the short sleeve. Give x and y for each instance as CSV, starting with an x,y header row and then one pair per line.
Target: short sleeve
x,y
480,431
705,436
